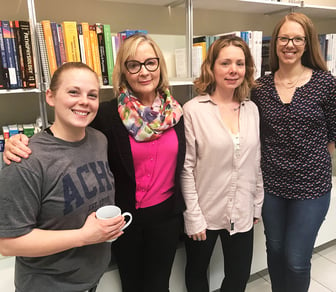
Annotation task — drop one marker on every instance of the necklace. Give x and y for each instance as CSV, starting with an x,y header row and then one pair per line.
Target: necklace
x,y
236,108
290,84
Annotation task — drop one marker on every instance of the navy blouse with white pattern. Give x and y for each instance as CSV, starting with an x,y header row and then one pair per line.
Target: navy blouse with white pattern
x,y
295,161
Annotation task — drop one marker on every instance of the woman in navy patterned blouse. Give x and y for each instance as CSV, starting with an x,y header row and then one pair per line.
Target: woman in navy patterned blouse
x,y
297,106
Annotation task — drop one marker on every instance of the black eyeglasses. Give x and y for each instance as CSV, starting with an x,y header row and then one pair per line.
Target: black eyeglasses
x,y
297,41
133,66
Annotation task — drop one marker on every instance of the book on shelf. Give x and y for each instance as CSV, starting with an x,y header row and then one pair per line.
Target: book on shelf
x,y
2,76
4,65
9,52
252,38
181,62
27,52
70,37
87,44
95,51
48,38
102,53
61,43
16,54
265,61
43,54
109,51
81,42
57,48
19,52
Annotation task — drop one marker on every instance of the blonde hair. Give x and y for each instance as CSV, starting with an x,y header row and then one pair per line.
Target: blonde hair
x,y
312,56
206,82
127,50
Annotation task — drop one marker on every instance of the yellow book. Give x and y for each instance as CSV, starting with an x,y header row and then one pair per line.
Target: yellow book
x,y
87,44
49,46
204,49
95,52
70,37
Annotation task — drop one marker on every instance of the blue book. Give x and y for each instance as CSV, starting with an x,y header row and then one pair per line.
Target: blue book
x,y
8,43
5,71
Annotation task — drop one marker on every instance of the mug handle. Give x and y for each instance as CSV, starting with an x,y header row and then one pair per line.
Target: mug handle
x,y
129,221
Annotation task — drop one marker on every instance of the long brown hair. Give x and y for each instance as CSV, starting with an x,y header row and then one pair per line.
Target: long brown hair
x,y
312,56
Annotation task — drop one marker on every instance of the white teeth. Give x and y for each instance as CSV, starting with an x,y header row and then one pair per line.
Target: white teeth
x,y
80,113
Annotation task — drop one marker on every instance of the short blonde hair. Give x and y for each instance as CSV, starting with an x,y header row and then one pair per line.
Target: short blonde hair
x,y
127,50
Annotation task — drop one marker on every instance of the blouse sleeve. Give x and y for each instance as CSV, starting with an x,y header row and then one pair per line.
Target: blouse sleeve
x,y
330,111
193,218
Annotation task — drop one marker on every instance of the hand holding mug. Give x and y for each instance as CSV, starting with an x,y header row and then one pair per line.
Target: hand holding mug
x,y
111,211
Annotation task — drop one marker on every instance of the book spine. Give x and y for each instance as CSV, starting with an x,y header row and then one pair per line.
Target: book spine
x,y
27,52
70,37
95,52
61,43
44,57
9,54
19,49
54,32
5,73
109,51
81,42
49,45
87,44
16,54
102,52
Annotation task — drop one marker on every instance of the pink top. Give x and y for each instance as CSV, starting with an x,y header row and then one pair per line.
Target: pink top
x,y
154,165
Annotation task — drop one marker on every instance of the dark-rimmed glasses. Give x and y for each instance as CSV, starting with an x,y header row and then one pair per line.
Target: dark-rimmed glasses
x,y
297,41
151,64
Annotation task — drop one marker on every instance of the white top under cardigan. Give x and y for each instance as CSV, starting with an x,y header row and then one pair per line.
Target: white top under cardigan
x,y
222,184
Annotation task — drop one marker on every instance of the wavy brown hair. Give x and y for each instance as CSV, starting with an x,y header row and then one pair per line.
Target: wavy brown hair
x,y
312,56
206,82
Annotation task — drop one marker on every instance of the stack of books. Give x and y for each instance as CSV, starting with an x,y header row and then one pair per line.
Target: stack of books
x,y
69,41
201,45
17,60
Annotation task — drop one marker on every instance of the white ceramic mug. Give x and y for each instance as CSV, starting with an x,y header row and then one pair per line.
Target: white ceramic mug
x,y
111,211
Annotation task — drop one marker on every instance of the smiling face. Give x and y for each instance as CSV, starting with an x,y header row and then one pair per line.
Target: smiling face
x,y
144,83
229,68
290,54
75,101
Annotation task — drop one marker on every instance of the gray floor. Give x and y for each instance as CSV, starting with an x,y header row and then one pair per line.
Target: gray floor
x,y
323,274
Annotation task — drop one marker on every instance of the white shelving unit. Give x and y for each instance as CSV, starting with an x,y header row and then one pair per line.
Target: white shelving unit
x,y
237,7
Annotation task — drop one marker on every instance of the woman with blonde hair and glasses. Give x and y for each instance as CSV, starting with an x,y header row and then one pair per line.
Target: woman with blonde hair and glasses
x,y
297,105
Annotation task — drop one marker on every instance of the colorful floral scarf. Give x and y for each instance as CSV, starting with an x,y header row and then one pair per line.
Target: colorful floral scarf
x,y
144,123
